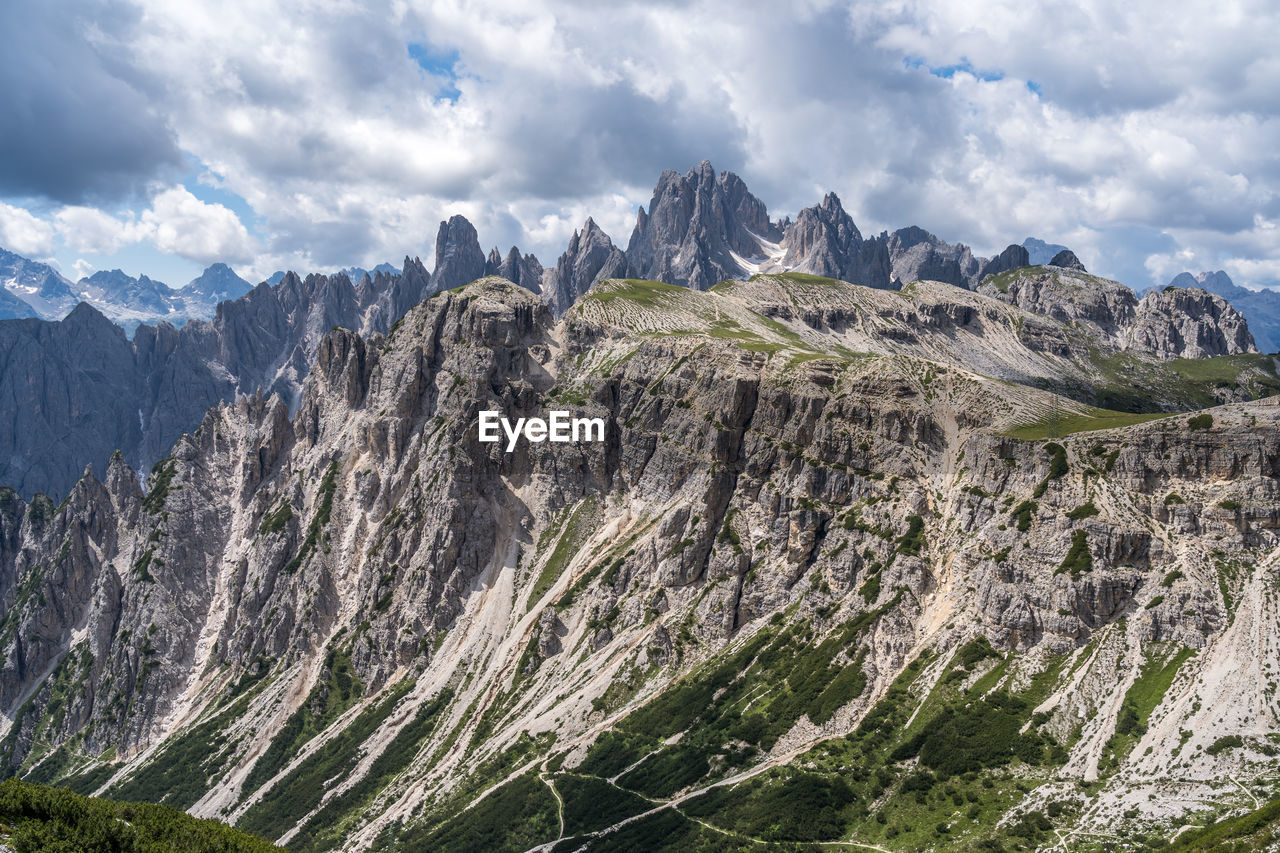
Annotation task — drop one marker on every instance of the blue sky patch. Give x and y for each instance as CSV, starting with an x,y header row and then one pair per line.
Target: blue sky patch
x,y
946,72
440,65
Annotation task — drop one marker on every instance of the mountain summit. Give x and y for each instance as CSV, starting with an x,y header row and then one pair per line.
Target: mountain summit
x,y
702,227
218,283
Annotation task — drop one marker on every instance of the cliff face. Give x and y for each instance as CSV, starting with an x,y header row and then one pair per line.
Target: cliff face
x,y
1174,323
590,258
807,527
699,228
79,390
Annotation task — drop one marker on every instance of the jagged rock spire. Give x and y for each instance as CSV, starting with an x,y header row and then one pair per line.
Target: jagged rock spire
x,y
590,257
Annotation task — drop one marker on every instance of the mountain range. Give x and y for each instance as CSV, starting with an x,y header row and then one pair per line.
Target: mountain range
x,y
78,389
851,564
969,553
33,289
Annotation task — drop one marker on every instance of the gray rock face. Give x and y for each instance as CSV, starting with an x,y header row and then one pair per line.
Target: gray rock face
x,y
1067,260
459,259
590,258
524,270
824,241
1260,307
80,390
1013,257
72,393
1189,323
1174,324
13,308
695,224
915,254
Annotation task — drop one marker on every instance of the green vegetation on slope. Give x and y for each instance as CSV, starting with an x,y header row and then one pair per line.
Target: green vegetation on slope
x,y
1257,830
37,819
519,815
183,769
635,290
290,799
1067,423
1133,384
325,830
591,804
316,535
337,690
578,525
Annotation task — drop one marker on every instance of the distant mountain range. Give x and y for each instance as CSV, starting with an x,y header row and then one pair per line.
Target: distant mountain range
x,y
33,289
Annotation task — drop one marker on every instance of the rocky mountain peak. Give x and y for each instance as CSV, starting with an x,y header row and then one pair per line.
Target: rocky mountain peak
x,y
459,258
1260,307
699,229
1175,323
524,270
1066,259
916,254
1013,257
823,240
590,257
1041,252
139,396
85,319
1189,323
37,286
217,283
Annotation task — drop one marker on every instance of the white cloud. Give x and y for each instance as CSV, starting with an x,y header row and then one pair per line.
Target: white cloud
x,y
23,233
182,224
87,229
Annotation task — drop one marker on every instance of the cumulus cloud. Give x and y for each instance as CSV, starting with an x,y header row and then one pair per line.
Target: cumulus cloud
x,y
179,223
175,222
24,233
88,229
1142,136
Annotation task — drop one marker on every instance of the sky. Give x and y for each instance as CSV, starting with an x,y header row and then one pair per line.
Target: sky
x,y
159,137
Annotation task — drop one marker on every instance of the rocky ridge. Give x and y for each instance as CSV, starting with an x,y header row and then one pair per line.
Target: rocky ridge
x,y
1173,323
79,389
1260,307
701,228
590,258
805,531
